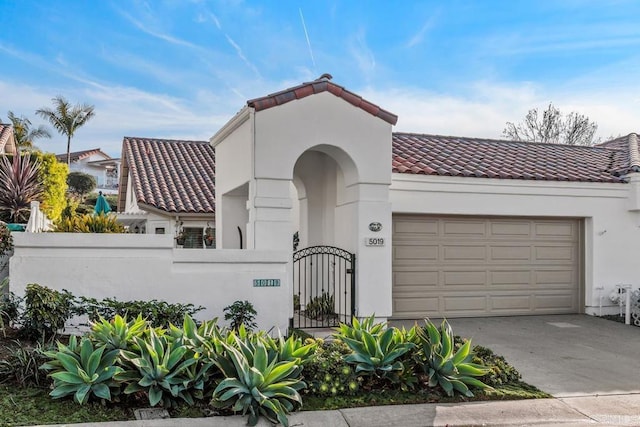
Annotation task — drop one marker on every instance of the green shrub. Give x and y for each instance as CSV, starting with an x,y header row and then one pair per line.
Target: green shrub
x,y
82,371
45,312
21,366
500,371
9,307
89,223
328,374
453,371
257,385
53,175
6,240
241,313
157,313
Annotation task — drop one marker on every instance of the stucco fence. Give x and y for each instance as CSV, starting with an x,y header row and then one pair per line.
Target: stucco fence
x,y
145,267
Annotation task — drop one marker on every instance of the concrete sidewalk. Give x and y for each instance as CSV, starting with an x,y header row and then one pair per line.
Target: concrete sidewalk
x,y
619,410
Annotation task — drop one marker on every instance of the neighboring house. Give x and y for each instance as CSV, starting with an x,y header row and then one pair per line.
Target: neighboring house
x,y
98,164
168,187
7,140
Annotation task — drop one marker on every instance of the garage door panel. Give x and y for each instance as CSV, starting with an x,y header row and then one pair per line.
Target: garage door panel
x,y
427,227
454,228
417,278
464,252
465,304
483,266
556,254
518,279
511,229
415,252
417,306
452,279
555,302
555,230
555,278
510,253
510,303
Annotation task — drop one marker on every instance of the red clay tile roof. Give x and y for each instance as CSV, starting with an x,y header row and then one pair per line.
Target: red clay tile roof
x,y
6,131
628,157
170,175
322,84
487,158
79,155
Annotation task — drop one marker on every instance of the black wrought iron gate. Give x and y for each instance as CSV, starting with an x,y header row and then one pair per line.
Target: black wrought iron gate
x,y
324,284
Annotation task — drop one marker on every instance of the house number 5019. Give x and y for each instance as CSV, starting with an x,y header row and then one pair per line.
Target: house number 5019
x,y
374,241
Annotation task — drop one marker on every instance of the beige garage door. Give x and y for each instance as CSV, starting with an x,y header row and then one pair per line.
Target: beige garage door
x,y
484,266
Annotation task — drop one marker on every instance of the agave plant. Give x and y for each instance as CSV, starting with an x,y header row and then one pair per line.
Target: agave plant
x,y
453,371
256,386
354,331
117,333
377,354
200,343
82,371
294,349
19,186
158,367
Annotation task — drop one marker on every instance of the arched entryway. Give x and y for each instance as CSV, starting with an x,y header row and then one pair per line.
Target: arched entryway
x,y
324,260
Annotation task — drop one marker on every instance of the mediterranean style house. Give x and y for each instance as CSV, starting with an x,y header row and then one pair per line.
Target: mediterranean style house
x,y
320,212
441,225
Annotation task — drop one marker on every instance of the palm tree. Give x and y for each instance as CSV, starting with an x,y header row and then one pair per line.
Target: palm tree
x,y
67,118
23,134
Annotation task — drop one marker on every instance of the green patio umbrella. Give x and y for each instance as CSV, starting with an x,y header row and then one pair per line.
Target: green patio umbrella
x,y
102,206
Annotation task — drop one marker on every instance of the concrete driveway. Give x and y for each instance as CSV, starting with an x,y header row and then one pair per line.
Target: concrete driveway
x,y
564,355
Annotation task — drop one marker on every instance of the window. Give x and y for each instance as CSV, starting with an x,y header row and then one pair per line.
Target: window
x,y
159,230
192,237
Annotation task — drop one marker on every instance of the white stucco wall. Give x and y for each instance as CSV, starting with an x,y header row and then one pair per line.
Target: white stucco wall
x,y
612,232
144,267
354,184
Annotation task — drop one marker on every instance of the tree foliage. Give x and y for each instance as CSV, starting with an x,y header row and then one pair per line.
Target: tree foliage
x,y
551,126
53,175
23,132
81,183
67,118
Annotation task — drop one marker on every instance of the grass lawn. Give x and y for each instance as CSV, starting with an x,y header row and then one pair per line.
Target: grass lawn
x,y
30,406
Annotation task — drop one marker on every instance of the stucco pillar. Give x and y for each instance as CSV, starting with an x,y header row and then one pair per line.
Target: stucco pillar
x,y
373,274
270,224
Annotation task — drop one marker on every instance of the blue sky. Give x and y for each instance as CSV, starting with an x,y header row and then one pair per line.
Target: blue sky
x,y
181,69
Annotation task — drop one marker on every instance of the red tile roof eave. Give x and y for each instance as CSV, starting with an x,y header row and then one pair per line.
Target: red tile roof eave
x,y
498,159
161,176
613,180
315,87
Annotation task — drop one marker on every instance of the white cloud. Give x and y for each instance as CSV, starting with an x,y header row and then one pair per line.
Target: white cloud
x,y
419,36
487,106
365,59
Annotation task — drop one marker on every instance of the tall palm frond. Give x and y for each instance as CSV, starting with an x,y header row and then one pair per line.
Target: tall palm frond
x,y
19,186
23,134
67,118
